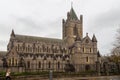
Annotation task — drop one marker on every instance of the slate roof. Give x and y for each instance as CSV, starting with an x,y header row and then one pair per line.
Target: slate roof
x,y
73,14
26,38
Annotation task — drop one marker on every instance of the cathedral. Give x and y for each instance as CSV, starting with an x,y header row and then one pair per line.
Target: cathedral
x,y
73,52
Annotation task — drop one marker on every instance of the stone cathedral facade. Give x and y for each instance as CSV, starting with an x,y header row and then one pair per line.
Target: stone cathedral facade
x,y
33,53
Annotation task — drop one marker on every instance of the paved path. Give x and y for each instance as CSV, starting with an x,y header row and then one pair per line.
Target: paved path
x,y
74,78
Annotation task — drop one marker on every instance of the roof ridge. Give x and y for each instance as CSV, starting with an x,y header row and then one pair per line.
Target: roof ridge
x,y
37,37
28,38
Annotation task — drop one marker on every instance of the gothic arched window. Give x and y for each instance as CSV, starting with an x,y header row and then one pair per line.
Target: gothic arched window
x,y
12,61
28,64
28,48
58,65
9,63
49,65
90,50
21,48
55,49
75,30
43,47
43,65
83,49
18,47
38,49
47,49
39,65
16,62
87,59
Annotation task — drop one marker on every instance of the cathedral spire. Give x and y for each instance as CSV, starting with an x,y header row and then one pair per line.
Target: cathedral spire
x,y
72,14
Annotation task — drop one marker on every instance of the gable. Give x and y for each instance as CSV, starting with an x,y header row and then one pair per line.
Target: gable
x,y
12,53
86,40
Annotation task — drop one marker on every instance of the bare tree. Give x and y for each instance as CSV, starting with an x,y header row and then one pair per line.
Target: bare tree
x,y
117,41
115,53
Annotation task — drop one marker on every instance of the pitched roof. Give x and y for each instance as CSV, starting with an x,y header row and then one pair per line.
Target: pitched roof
x,y
26,38
73,14
3,53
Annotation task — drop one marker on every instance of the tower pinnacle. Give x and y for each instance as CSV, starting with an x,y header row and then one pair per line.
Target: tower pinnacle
x,y
12,33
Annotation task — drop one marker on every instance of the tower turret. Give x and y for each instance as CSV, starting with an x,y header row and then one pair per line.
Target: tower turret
x,y
11,42
94,40
72,27
12,34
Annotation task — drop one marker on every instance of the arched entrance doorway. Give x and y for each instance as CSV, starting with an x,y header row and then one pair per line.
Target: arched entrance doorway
x,y
87,67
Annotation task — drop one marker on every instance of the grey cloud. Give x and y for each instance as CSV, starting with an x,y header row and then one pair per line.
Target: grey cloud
x,y
28,22
55,28
105,20
33,27
27,25
4,31
109,18
105,26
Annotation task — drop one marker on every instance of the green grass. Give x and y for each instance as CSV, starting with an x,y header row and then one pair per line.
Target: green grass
x,y
2,73
55,74
28,73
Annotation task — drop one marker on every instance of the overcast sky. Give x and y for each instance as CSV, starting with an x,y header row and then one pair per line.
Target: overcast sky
x,y
44,18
